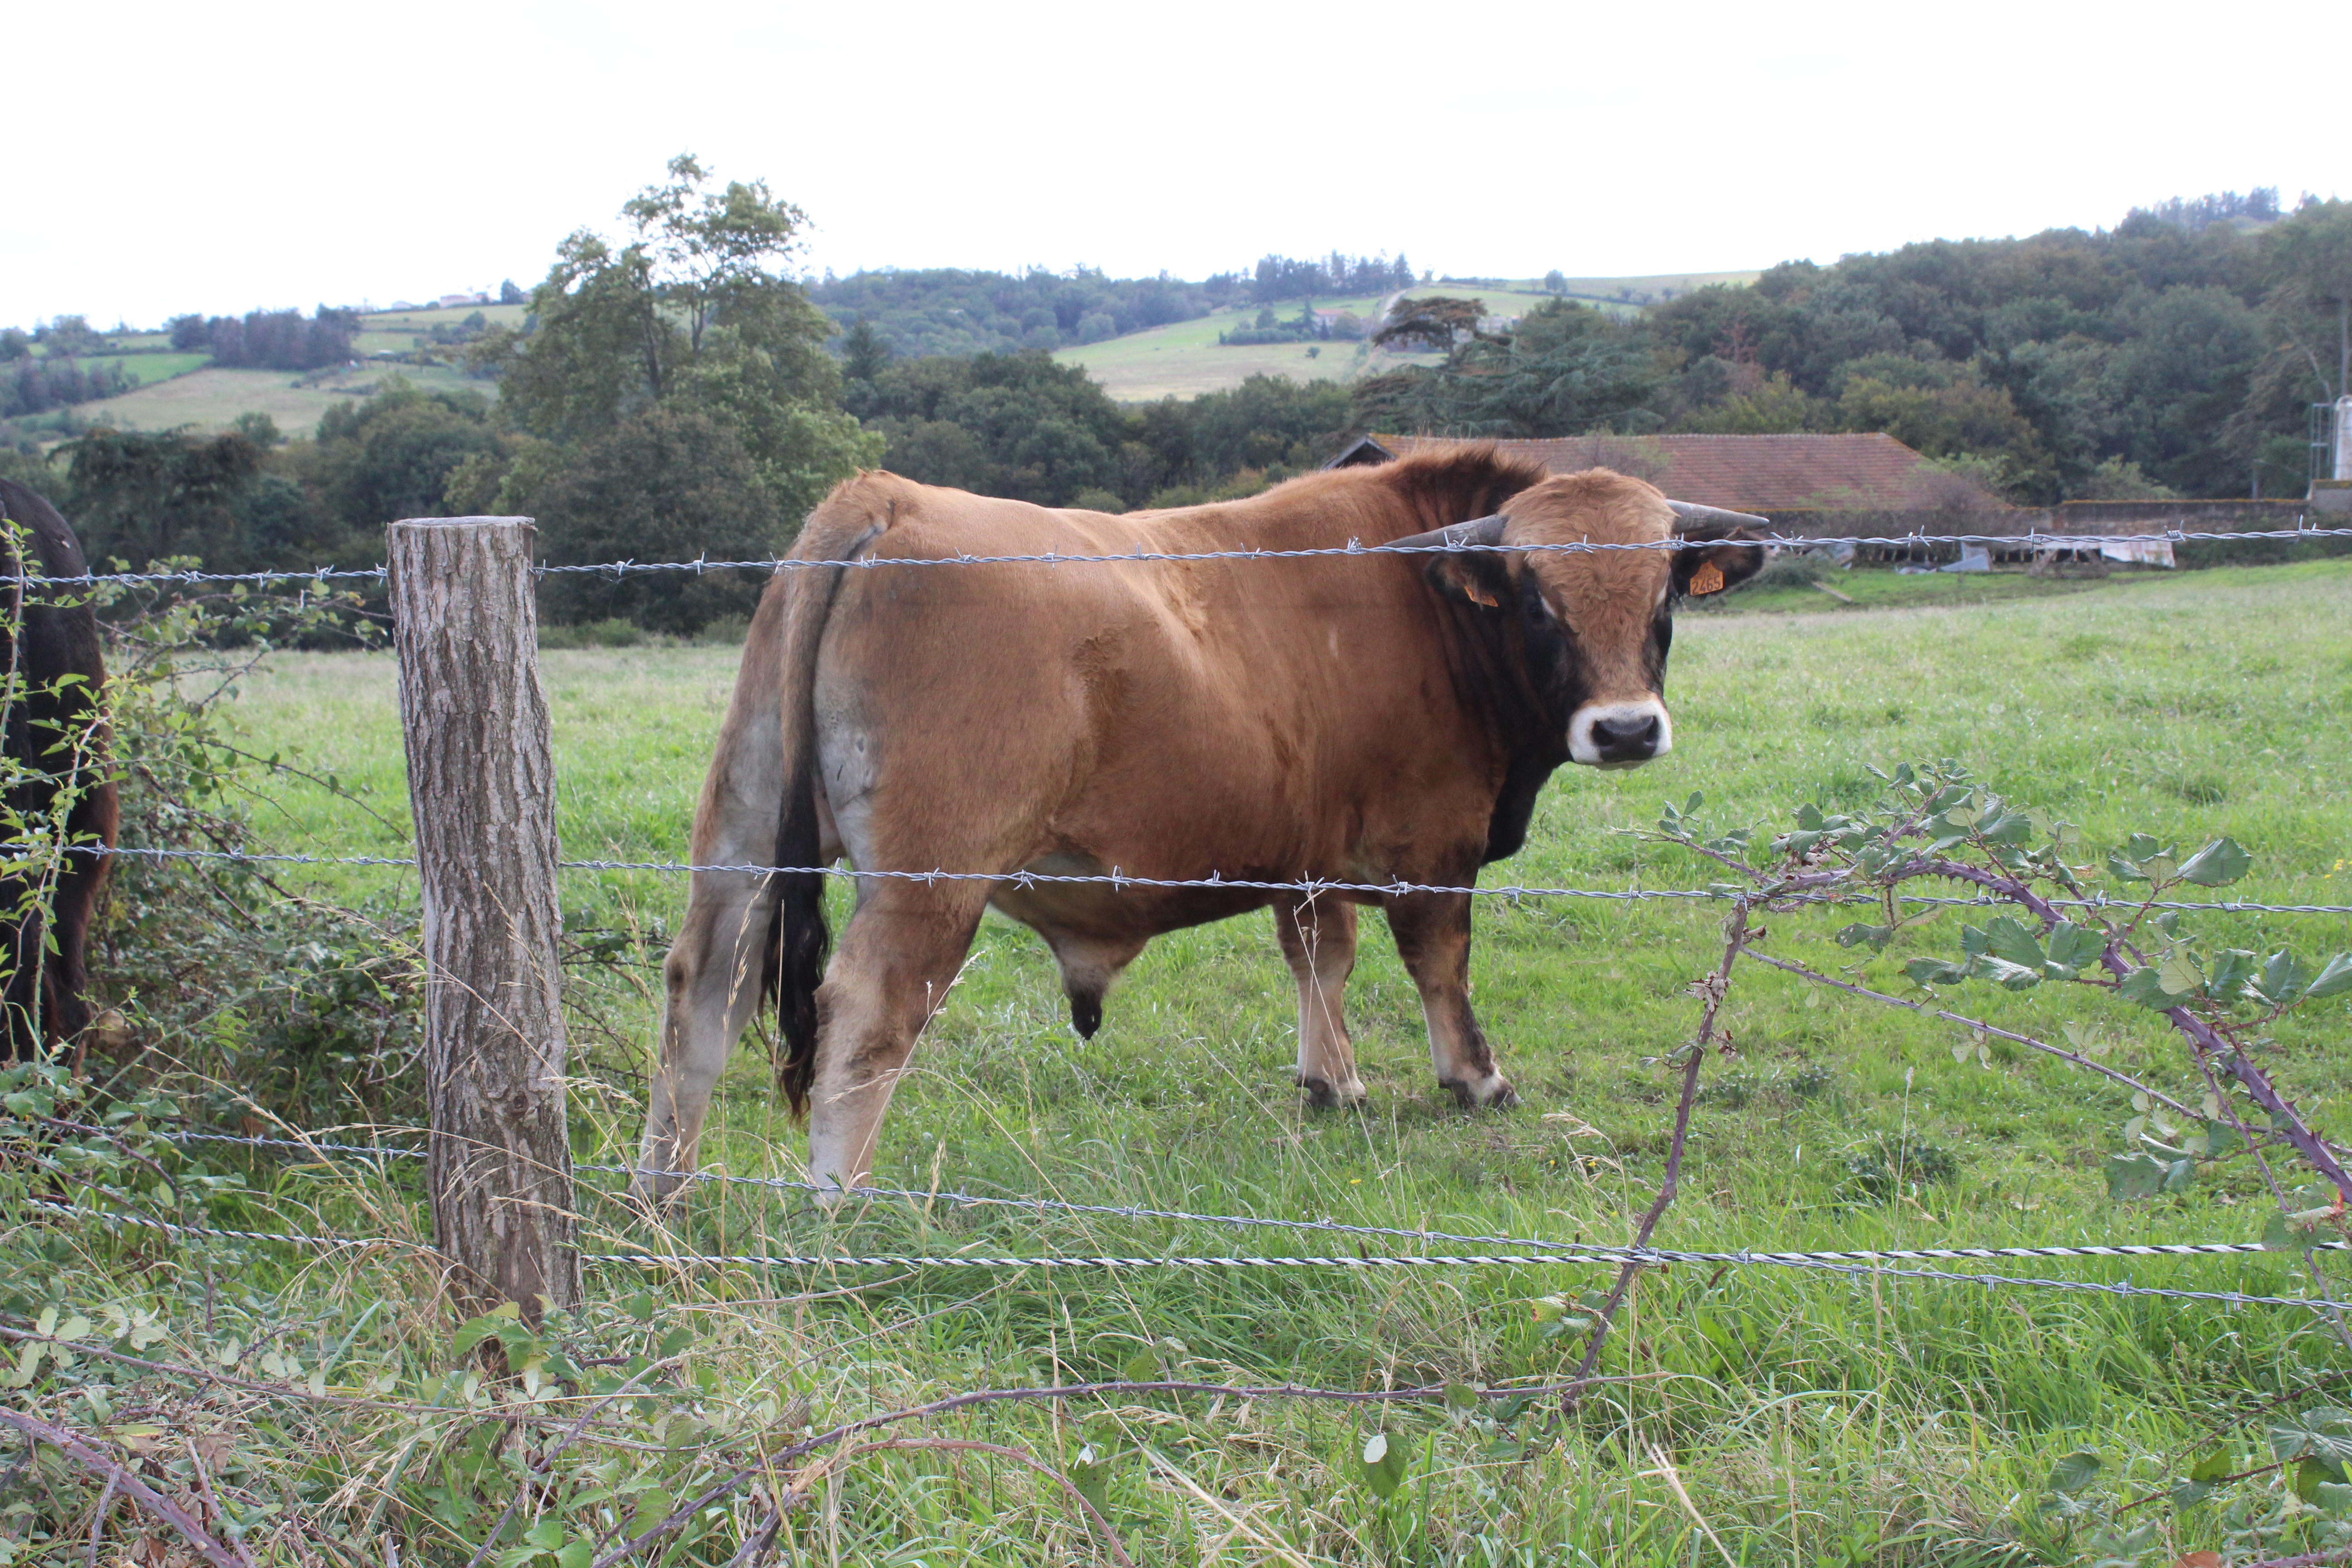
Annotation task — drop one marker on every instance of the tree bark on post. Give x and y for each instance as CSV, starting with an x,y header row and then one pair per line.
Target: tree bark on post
x,y
481,784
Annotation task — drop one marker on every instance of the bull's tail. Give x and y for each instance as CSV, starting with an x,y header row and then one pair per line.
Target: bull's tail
x,y
798,938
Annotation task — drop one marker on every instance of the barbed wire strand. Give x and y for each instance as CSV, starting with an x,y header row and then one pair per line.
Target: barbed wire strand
x,y
1120,879
1357,1262
2032,540
1595,1251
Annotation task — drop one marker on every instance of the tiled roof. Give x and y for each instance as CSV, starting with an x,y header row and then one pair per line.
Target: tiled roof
x,y
1753,473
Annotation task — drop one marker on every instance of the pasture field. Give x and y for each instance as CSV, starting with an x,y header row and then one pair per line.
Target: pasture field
x,y
1772,1416
1184,358
209,399
148,367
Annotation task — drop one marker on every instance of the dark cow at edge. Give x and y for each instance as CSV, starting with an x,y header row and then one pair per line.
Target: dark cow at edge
x,y
54,732
1383,719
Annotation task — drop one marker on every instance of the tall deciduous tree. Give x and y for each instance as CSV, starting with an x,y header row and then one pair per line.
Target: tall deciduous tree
x,y
688,312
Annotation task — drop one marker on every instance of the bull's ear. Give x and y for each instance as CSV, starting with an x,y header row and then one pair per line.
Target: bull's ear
x,y
1715,557
1482,578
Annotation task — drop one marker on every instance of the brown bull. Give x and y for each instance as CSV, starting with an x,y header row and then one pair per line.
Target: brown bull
x,y
1378,720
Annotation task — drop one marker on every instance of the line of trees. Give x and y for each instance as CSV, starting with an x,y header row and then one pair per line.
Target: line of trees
x,y
949,311
269,340
2175,353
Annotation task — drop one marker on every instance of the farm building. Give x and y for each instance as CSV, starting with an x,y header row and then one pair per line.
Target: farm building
x,y
1769,474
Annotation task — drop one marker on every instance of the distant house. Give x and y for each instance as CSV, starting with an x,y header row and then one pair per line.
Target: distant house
x,y
448,300
1769,474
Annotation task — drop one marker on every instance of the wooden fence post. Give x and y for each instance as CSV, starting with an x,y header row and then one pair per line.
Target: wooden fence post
x,y
481,784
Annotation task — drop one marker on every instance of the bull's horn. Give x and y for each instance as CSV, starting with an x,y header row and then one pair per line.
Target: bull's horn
x,y
1691,511
1477,530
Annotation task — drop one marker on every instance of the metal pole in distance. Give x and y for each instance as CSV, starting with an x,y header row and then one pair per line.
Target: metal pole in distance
x,y
481,784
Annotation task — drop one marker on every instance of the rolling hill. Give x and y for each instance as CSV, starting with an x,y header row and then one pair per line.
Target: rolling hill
x,y
1184,359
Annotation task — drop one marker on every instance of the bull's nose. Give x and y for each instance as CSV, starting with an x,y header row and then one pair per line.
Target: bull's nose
x,y
1633,739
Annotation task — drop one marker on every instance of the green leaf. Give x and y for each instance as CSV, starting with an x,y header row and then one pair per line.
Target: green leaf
x,y
2310,1476
1384,1464
2073,1473
547,1534
2212,1467
640,1306
2122,871
2146,986
579,1551
474,1330
1461,1397
1934,972
2071,947
2283,978
2188,1494
2220,1138
2010,827
1144,1365
2178,1175
2131,1176
2232,968
2181,975
2217,865
1090,1473
2007,939
1870,936
2009,976
2334,1498
2334,979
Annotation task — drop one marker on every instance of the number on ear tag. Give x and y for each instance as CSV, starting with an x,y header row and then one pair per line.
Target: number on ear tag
x,y
1707,579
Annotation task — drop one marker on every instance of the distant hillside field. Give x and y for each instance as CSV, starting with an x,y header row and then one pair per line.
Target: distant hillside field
x,y
210,399
1184,359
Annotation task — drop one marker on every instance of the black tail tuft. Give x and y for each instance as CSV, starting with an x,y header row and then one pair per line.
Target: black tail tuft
x,y
797,940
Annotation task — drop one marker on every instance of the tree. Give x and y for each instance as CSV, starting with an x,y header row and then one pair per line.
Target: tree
x,y
689,314
2311,264
391,457
1555,281
509,294
661,485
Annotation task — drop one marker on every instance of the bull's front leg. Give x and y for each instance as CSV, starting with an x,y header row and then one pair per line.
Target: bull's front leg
x,y
1432,937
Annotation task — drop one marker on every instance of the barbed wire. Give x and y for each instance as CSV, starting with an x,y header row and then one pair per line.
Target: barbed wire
x,y
2033,539
1358,1262
1592,1251
1118,879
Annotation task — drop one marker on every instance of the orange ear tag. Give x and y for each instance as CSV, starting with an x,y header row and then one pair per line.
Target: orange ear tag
x,y
1482,596
1707,579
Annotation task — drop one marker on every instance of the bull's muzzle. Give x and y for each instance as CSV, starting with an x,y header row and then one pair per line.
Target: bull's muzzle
x,y
1620,735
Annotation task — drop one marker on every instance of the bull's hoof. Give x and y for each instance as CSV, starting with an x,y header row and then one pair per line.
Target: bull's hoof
x,y
1494,1092
1323,1095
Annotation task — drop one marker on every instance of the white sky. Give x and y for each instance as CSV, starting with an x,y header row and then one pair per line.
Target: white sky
x,y
224,157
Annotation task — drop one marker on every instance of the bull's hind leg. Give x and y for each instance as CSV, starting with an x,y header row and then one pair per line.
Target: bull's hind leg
x,y
1432,937
1319,938
713,973
898,960
713,983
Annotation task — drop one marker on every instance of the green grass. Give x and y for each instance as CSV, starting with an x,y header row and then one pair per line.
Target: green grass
x,y
209,399
413,321
1810,1420
147,368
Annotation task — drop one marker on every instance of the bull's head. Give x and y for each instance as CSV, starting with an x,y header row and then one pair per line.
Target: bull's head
x,y
1595,627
